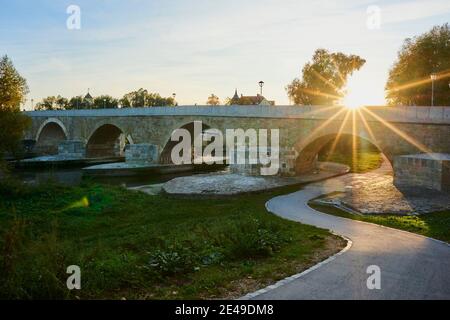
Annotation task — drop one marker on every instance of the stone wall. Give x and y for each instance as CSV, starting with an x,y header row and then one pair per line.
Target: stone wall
x,y
72,149
141,153
431,171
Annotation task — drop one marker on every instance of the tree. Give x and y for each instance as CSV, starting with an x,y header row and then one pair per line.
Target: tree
x,y
142,97
105,101
47,103
13,123
213,100
75,103
52,103
324,79
61,103
409,78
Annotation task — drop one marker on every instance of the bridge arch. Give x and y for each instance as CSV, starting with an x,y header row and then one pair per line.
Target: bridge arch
x,y
107,140
49,135
308,152
165,157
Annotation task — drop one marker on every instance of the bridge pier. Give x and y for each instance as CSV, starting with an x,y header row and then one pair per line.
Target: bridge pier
x,y
75,149
143,153
431,171
286,163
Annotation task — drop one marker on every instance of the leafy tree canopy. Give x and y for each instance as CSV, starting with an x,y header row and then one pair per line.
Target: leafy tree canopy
x,y
409,81
142,97
106,101
213,100
52,103
324,78
76,103
13,123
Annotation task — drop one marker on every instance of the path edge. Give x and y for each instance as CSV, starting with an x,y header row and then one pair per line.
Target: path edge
x,y
294,277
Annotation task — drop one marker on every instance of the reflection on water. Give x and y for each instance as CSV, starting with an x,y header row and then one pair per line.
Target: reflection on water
x,y
74,176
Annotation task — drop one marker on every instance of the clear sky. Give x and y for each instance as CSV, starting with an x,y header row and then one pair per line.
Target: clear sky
x,y
199,47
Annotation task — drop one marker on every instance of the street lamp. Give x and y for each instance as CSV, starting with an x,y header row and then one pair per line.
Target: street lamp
x,y
174,96
32,107
261,85
433,78
104,103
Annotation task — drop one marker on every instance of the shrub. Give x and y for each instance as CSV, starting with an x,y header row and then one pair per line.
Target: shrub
x,y
251,239
171,260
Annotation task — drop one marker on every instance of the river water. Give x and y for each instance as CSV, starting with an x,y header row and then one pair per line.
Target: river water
x,y
74,176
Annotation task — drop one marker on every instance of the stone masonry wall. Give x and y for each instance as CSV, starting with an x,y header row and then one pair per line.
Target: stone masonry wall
x,y
72,149
141,153
428,171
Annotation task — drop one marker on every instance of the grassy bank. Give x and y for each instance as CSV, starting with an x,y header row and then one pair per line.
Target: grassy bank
x,y
434,225
132,245
363,158
365,161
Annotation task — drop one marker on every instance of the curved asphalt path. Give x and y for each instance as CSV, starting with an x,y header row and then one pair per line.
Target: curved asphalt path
x,y
412,266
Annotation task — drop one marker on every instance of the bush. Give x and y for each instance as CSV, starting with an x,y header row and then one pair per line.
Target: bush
x,y
251,239
247,239
171,260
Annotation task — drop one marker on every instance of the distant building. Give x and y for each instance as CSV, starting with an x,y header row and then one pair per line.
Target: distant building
x,y
257,100
88,99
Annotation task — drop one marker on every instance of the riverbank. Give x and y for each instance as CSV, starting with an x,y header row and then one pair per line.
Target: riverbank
x,y
434,225
372,197
135,246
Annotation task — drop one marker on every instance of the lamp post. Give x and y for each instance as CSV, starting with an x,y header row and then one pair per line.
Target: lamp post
x,y
104,103
433,78
174,96
32,106
261,85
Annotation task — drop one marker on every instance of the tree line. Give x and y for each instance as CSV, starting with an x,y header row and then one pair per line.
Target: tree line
x,y
133,99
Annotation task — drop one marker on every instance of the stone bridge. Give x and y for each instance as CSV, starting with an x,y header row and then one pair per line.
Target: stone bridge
x,y
304,130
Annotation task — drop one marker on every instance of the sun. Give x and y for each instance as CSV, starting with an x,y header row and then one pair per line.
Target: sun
x,y
355,96
352,101
362,90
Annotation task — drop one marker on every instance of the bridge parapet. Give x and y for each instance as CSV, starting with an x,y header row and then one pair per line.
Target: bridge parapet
x,y
392,114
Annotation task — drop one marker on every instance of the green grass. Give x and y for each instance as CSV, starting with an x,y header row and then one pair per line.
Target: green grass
x,y
364,158
365,161
434,225
129,244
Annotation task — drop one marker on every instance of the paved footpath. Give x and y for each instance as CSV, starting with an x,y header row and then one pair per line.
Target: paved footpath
x,y
412,266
